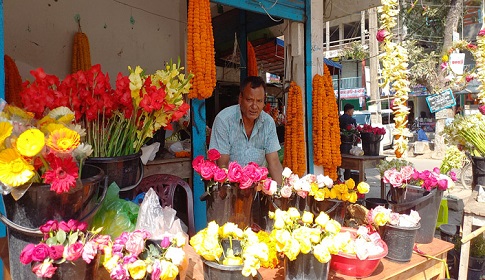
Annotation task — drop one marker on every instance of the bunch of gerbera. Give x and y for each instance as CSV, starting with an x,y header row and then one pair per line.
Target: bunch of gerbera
x,y
47,151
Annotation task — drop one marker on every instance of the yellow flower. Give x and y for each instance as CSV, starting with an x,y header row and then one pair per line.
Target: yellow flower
x,y
294,213
14,170
232,261
307,217
5,131
321,252
169,270
334,192
111,263
350,183
292,250
444,58
62,114
333,227
230,230
353,197
322,219
137,269
363,187
381,219
319,194
30,142
346,196
63,140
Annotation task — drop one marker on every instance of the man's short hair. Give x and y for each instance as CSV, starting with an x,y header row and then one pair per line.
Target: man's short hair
x,y
348,107
254,81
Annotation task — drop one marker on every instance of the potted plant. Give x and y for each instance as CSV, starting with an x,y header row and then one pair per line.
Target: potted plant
x,y
477,256
228,249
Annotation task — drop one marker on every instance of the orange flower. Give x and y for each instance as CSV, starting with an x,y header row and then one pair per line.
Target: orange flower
x,y
63,140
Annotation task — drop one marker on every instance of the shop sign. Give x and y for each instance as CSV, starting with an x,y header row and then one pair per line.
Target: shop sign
x,y
440,101
457,61
351,93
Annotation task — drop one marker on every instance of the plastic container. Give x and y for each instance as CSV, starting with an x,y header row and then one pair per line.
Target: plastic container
x,y
352,266
400,242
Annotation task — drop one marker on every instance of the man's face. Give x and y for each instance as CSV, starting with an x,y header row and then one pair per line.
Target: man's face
x,y
350,112
251,101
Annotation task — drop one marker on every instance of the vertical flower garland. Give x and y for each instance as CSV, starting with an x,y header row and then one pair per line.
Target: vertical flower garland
x,y
318,96
480,62
333,158
252,62
200,49
394,73
294,154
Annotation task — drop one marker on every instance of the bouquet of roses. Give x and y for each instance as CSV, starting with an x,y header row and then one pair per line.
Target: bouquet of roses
x,y
360,243
63,242
134,255
244,176
230,245
47,150
367,128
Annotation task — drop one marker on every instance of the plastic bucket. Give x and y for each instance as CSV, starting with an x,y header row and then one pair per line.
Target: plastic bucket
x,y
306,267
427,204
371,143
478,171
346,143
400,242
215,271
448,231
126,171
268,203
373,202
229,203
39,205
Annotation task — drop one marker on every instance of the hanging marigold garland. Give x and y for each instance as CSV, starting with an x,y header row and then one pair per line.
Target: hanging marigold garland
x,y
81,56
13,82
294,153
326,130
200,49
252,62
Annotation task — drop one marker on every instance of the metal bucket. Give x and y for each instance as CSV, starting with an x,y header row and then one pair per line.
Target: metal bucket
x,y
39,205
215,271
400,242
126,171
306,267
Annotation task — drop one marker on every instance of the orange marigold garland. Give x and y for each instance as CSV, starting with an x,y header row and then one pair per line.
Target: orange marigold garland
x,y
200,49
252,62
318,96
294,153
13,82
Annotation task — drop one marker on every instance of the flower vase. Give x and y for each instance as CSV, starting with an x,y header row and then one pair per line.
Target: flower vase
x,y
78,269
336,209
270,203
25,215
400,242
371,143
397,194
229,203
347,141
306,267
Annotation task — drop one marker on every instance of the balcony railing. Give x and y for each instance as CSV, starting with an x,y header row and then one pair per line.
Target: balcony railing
x,y
347,83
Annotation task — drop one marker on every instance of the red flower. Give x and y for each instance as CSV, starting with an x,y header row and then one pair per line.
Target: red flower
x,y
481,32
26,254
381,35
62,175
56,251
74,251
51,225
213,155
40,252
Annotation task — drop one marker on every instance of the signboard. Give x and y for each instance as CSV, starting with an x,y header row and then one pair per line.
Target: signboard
x,y
440,101
457,61
352,93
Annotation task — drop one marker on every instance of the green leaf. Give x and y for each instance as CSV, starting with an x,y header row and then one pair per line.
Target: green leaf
x,y
73,237
61,236
51,241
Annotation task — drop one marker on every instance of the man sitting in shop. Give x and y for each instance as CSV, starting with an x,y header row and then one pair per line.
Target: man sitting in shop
x,y
347,118
244,133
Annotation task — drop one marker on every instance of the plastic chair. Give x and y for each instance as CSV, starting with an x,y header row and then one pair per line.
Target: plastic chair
x,y
165,186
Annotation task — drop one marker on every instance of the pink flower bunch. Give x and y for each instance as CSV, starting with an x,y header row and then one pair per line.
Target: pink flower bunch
x,y
135,256
398,178
245,176
430,179
370,129
63,241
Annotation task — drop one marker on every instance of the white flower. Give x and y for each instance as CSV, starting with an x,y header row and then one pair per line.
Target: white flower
x,y
176,255
286,172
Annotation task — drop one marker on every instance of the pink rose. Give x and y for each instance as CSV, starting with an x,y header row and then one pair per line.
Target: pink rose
x,y
89,251
407,172
481,32
71,225
44,270
135,243
56,251
381,35
207,170
286,191
74,251
213,155
302,194
157,270
26,254
165,242
48,226
220,175
102,240
119,272
481,108
396,179
40,252
197,162
234,172
82,226
251,171
245,182
264,172
387,175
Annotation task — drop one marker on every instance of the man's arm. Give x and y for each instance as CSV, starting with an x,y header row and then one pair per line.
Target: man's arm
x,y
274,167
223,161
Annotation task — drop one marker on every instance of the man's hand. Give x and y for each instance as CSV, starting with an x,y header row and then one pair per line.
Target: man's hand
x,y
223,161
274,167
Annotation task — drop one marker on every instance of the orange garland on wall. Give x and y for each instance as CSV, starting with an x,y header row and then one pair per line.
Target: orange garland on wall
x,y
200,49
252,62
294,153
13,82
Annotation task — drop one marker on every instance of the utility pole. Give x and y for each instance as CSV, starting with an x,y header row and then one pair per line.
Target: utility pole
x,y
375,107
